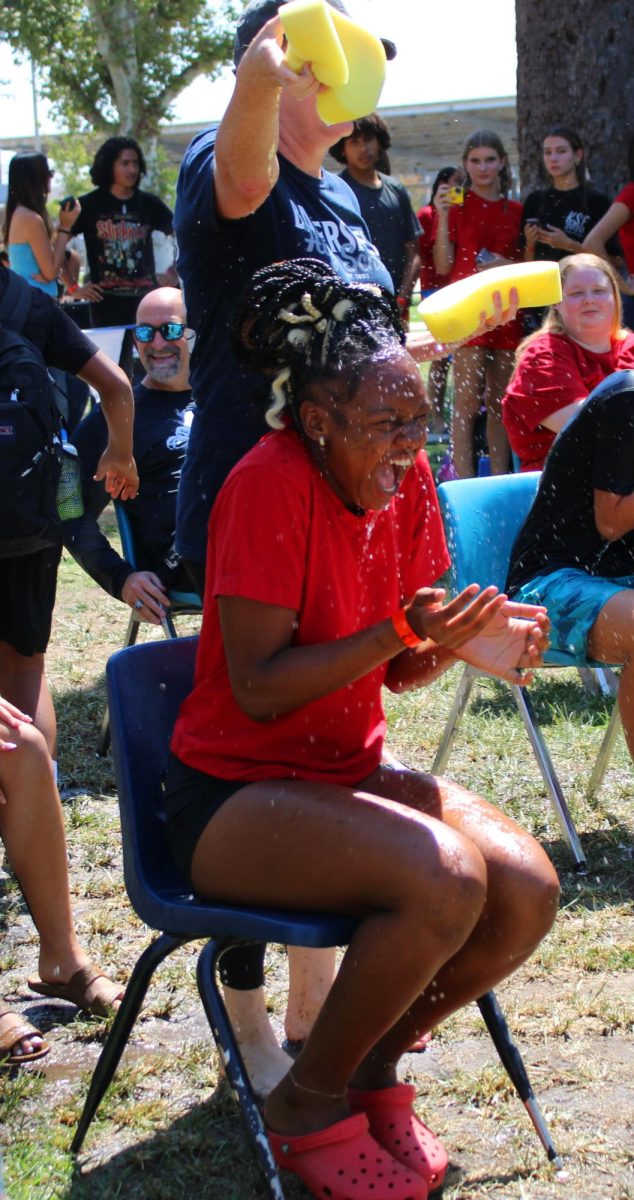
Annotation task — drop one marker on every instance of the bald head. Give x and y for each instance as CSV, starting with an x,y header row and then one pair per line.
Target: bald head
x,y
166,360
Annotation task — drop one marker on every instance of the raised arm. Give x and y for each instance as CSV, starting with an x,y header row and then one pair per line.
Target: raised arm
x,y
246,167
597,240
444,250
28,226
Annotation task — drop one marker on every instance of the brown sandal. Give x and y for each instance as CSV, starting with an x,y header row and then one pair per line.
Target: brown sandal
x,y
103,1001
16,1029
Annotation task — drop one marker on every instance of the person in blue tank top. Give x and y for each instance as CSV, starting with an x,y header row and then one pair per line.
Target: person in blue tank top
x,y
28,230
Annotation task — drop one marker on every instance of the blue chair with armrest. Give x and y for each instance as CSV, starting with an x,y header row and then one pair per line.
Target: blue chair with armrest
x,y
482,518
146,685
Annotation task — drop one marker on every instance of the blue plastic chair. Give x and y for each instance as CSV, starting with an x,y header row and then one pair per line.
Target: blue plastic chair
x,y
181,604
146,685
482,518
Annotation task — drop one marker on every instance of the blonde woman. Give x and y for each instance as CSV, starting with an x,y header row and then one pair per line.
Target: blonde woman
x,y
580,343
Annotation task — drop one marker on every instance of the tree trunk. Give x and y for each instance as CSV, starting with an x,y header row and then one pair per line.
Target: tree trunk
x,y
575,67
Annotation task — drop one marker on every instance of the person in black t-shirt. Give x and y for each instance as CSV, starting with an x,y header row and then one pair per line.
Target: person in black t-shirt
x,y
27,596
557,218
163,412
575,551
31,823
117,221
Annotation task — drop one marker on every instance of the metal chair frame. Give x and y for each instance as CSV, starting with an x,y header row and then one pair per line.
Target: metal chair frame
x,y
181,604
482,518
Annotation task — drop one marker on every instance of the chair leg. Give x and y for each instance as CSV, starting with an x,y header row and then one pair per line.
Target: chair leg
x,y
167,624
458,709
122,1027
225,1039
605,752
132,632
513,1063
553,786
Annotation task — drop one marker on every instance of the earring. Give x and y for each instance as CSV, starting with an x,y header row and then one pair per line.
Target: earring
x,y
322,441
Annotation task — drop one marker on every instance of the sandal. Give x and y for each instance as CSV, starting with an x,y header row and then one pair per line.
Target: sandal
x,y
396,1127
343,1162
16,1028
102,1001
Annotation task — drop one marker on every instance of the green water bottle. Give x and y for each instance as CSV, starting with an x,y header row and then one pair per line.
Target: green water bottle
x,y
69,498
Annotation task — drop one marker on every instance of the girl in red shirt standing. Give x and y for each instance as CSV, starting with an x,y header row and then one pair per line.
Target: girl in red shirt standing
x,y
482,232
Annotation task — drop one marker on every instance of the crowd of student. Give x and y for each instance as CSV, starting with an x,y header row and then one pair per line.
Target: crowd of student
x,y
319,565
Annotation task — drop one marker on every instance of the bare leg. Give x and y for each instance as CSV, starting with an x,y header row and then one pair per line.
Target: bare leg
x,y
264,1059
469,366
417,886
499,370
23,682
32,829
311,974
521,905
612,640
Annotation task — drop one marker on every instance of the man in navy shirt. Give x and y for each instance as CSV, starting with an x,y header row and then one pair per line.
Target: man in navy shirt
x,y
162,418
252,191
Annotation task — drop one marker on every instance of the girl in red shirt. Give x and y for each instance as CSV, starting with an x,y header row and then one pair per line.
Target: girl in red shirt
x,y
320,545
481,233
580,343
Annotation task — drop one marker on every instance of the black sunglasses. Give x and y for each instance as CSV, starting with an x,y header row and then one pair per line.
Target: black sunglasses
x,y
171,331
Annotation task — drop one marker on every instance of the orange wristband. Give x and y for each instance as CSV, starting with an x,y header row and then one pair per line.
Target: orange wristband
x,y
404,629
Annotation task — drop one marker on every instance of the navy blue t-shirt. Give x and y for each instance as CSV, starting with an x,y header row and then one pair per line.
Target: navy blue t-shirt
x,y
302,217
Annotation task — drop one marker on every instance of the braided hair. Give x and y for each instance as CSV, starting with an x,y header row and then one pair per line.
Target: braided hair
x,y
300,323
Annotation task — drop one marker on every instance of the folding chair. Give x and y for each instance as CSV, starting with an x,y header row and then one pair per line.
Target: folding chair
x,y
181,604
146,684
482,518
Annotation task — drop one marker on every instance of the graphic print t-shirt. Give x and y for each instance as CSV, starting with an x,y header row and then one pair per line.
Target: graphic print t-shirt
x,y
118,236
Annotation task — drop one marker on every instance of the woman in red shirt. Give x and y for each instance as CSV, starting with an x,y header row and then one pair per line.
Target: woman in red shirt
x,y
321,544
579,344
619,219
481,233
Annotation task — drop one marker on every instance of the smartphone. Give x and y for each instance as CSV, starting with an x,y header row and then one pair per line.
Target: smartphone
x,y
483,257
532,221
455,195
67,204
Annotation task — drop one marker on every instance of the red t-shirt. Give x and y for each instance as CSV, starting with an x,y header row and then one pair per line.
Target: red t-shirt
x,y
429,280
626,232
553,372
493,225
278,534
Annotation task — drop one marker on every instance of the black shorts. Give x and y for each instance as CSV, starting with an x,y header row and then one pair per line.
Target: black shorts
x,y
191,798
27,599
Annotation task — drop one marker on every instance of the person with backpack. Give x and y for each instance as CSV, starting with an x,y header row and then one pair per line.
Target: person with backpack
x,y
35,334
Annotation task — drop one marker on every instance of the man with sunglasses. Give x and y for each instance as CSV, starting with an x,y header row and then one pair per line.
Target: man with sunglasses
x,y
162,420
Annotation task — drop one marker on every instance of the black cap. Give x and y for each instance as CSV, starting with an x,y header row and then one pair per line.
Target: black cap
x,y
258,12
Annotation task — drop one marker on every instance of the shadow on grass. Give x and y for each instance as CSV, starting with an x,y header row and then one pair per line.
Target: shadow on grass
x,y
79,715
553,698
203,1153
609,882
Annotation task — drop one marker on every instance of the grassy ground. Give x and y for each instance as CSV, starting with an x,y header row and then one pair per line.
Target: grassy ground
x,y
168,1129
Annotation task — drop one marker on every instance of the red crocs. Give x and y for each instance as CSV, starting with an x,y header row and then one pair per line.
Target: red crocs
x,y
343,1162
396,1127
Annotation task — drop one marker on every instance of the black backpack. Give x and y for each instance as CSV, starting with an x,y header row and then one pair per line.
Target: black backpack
x,y
30,447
